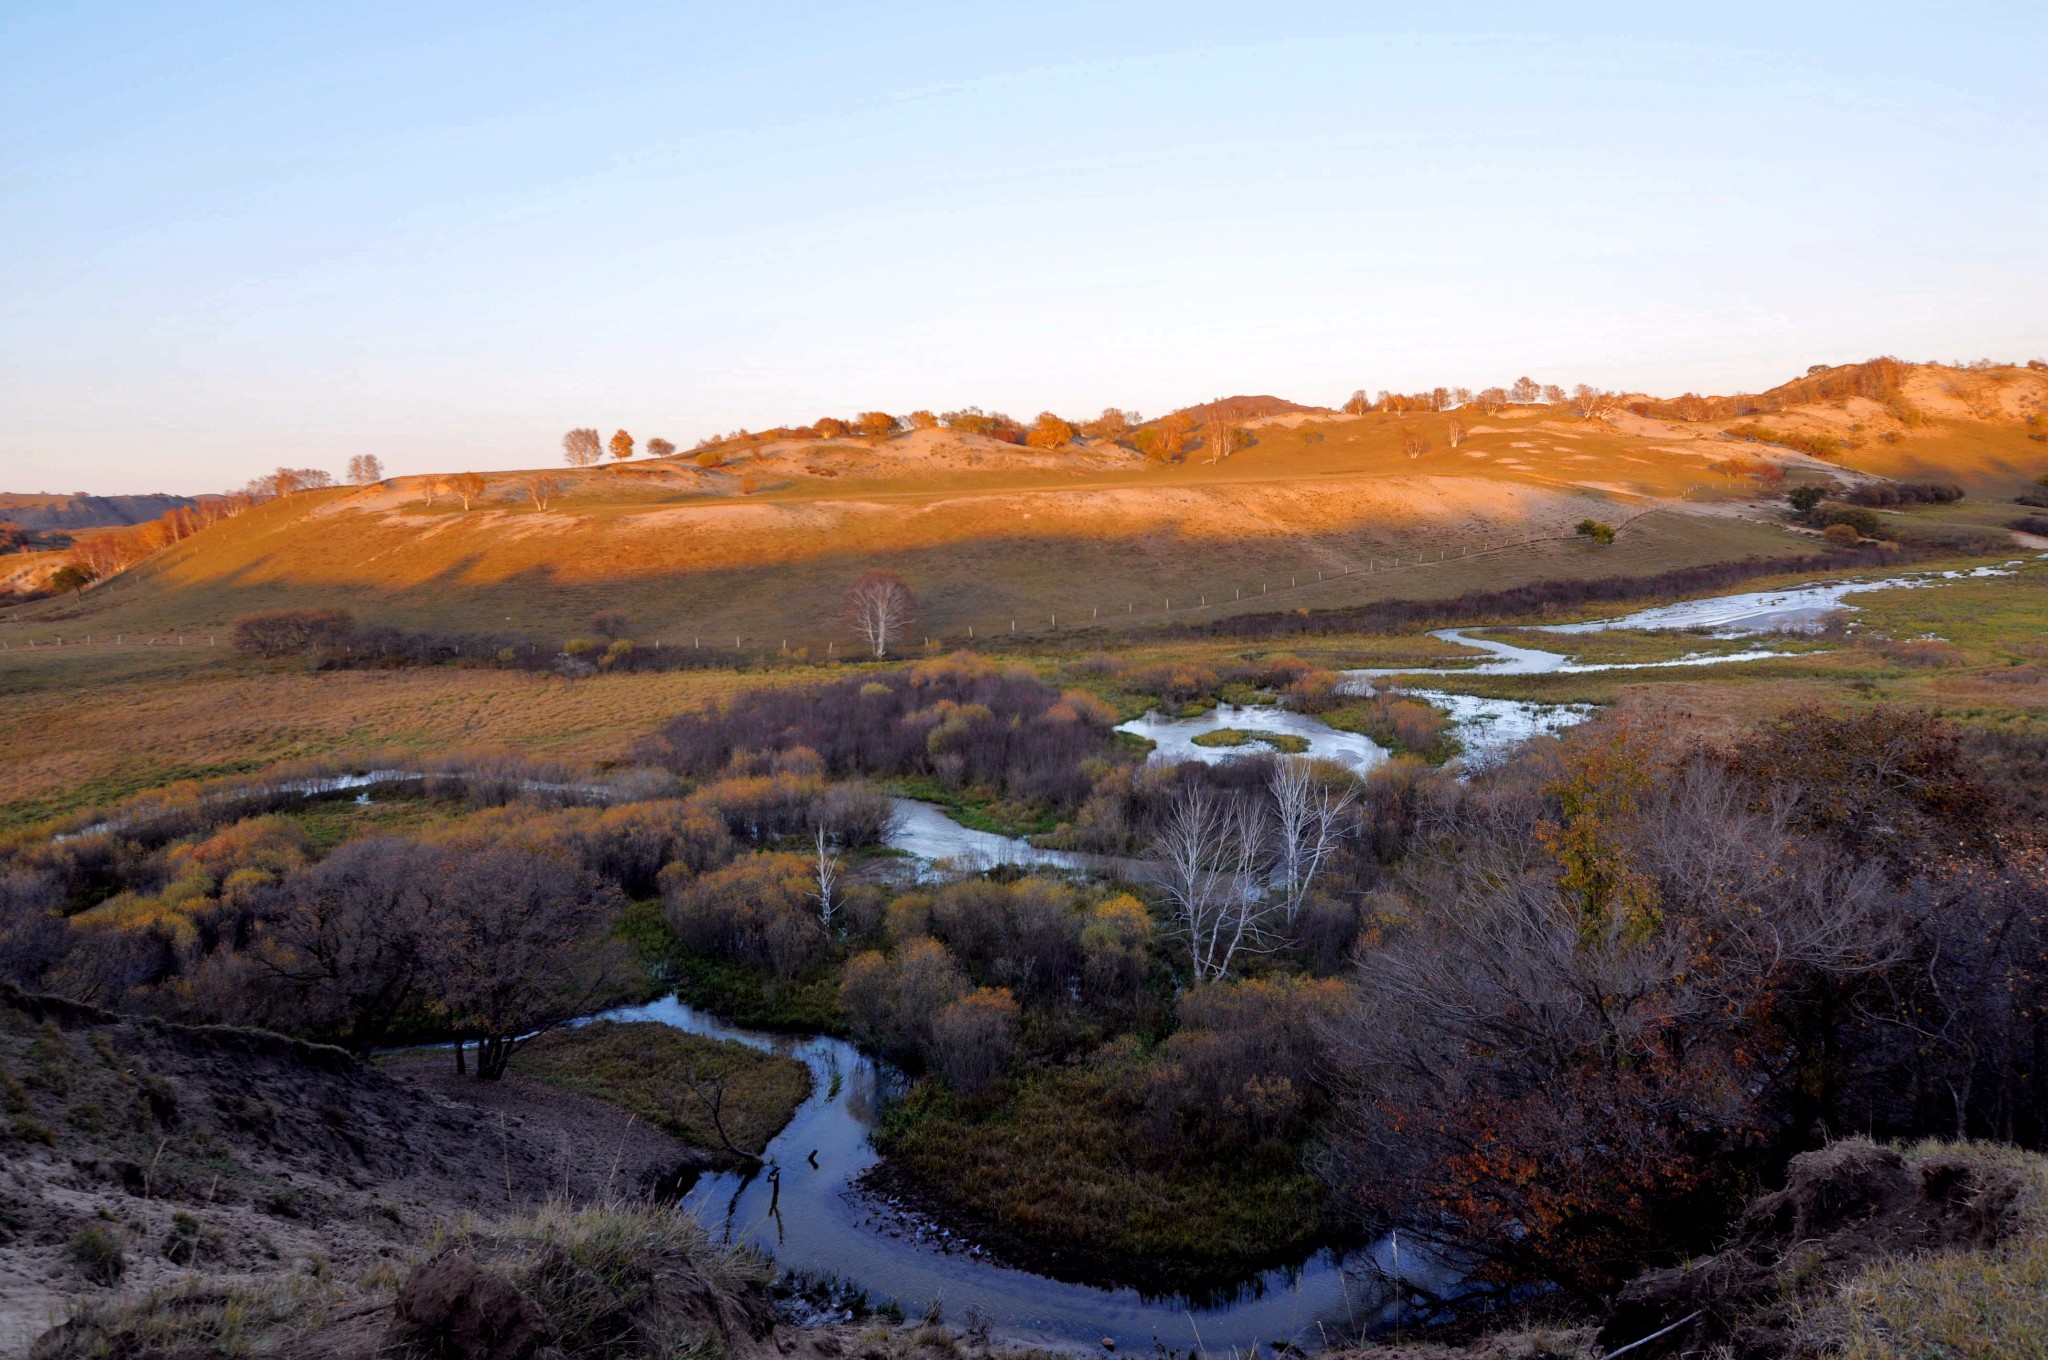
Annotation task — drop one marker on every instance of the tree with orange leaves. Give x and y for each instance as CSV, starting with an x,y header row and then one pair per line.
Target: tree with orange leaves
x,y
1049,432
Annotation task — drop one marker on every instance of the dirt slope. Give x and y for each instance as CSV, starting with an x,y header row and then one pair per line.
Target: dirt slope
x,y
138,1151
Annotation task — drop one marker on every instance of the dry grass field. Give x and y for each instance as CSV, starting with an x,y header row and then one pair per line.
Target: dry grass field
x,y
80,726
1083,548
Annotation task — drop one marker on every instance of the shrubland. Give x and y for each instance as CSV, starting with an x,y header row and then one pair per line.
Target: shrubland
x,y
1561,1014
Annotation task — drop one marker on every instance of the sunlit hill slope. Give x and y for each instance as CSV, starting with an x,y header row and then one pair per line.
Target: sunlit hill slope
x,y
756,537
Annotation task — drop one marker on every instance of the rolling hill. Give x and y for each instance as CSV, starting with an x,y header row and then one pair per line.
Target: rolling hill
x,y
40,512
754,539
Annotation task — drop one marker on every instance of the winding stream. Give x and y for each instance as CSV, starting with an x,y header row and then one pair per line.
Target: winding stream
x,y
803,1208
1174,738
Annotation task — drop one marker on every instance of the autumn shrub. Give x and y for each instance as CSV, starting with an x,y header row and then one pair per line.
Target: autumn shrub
x,y
1313,691
761,807
1885,494
972,1039
1841,535
631,845
1172,682
962,720
760,911
1816,445
287,632
1116,944
2030,524
1023,935
1244,1066
1865,523
891,1000
1049,432
34,934
1510,1053
1922,653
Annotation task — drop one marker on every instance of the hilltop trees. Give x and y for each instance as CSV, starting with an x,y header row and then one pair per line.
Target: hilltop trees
x,y
876,424
364,469
1590,402
660,448
989,424
1167,441
1111,424
1049,432
467,486
1220,436
622,445
922,420
1524,391
285,481
582,447
881,608
1358,403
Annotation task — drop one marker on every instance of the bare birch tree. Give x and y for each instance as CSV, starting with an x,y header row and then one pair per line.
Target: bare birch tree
x,y
1221,437
582,447
1213,858
1454,432
541,490
828,880
880,607
365,469
1590,402
1308,822
467,486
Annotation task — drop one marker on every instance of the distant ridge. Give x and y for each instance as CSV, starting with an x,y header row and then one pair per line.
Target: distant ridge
x,y
42,512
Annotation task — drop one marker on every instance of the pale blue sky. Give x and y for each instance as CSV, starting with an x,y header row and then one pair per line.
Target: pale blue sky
x,y
238,236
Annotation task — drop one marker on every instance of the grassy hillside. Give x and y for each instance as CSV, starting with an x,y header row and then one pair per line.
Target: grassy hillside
x,y
756,537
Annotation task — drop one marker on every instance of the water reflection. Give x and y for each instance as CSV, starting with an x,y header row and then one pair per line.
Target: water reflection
x,y
802,1205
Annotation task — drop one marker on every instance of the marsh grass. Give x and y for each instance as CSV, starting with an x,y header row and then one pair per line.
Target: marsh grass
x,y
647,1069
1284,742
1056,1161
